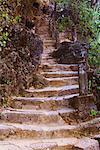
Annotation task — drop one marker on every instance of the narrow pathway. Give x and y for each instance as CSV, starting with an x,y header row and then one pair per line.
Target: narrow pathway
x,y
43,119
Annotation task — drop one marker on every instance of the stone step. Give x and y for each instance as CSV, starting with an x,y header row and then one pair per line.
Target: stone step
x,y
46,56
58,67
39,116
47,103
47,53
50,144
43,33
43,37
36,131
40,131
49,41
48,47
52,91
60,74
47,59
62,81
49,62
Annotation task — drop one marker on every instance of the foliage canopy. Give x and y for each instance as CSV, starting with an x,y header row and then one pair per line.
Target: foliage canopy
x,y
87,21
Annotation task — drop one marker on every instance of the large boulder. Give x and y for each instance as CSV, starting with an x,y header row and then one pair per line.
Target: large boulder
x,y
69,52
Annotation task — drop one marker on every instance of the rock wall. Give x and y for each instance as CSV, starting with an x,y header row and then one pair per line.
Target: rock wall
x,y
19,60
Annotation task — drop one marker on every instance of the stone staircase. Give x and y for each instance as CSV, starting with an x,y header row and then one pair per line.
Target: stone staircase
x,y
43,119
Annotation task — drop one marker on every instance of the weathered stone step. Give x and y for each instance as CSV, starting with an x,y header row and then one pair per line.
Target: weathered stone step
x,y
46,57
47,37
49,61
39,131
52,91
62,81
49,47
8,130
38,116
59,74
59,67
52,48
49,40
41,34
46,53
47,103
48,50
50,144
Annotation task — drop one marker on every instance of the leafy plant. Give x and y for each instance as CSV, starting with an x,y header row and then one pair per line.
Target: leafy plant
x,y
86,19
7,19
94,113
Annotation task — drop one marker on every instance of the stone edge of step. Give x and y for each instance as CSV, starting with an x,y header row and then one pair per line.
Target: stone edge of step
x,y
58,98
83,143
61,79
38,112
50,88
42,127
